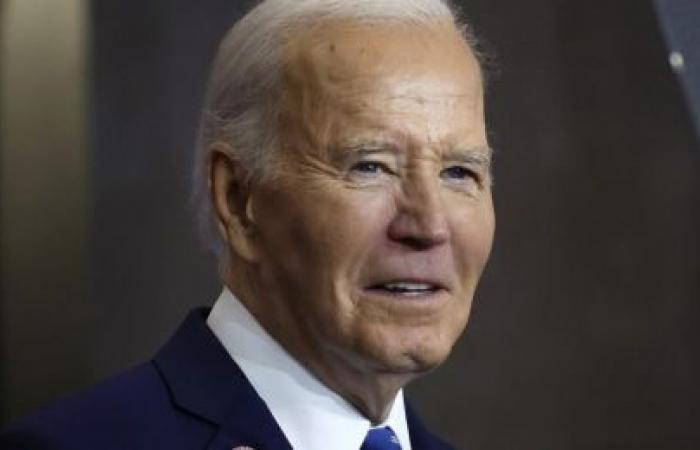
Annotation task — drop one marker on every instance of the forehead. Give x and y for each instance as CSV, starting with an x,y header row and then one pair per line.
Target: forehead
x,y
345,51
366,76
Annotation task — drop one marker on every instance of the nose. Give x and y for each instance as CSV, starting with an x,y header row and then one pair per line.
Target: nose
x,y
420,222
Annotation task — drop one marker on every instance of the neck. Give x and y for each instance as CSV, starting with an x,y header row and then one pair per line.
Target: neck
x,y
372,393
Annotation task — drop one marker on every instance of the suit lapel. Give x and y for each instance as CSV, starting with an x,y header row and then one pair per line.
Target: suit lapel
x,y
421,438
205,381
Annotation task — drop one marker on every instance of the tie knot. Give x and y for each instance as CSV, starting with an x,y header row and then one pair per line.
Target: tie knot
x,y
381,439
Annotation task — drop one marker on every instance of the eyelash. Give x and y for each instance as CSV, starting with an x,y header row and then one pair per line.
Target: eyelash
x,y
464,172
362,167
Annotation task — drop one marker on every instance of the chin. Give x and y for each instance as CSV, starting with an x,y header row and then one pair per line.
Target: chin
x,y
416,359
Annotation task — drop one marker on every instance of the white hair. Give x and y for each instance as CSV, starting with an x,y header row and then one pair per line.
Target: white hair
x,y
241,104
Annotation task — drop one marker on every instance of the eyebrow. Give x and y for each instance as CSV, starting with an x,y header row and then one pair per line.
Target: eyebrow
x,y
359,148
480,156
369,147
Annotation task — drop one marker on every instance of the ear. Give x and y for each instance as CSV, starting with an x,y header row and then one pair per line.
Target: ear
x,y
229,188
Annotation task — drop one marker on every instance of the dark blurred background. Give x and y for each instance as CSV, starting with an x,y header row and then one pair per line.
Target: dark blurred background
x,y
586,330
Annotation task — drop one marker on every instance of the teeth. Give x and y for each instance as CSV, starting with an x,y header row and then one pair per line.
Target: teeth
x,y
402,286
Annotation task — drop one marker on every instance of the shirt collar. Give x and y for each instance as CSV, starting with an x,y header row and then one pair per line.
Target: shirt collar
x,y
306,410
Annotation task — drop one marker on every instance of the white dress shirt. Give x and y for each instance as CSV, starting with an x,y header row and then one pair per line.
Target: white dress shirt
x,y
307,411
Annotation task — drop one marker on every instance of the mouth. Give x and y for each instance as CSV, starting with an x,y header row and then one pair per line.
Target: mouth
x,y
408,289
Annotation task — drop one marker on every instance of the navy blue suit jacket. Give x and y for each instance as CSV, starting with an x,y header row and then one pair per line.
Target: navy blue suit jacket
x,y
190,396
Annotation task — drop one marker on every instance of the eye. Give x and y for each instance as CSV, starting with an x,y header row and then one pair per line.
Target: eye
x,y
458,173
369,168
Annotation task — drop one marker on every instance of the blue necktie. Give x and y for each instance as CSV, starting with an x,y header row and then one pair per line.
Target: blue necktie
x,y
381,439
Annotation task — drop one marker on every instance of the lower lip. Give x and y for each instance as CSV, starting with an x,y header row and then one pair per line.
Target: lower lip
x,y
423,298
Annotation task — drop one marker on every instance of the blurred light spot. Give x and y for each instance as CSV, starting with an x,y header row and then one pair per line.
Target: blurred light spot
x,y
677,61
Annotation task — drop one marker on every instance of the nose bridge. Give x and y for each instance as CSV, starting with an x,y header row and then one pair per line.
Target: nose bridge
x,y
422,195
421,216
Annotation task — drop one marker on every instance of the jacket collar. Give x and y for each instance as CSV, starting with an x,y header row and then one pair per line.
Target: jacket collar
x,y
421,438
203,380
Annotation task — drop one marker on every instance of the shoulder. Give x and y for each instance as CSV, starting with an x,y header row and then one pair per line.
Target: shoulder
x,y
132,410
421,437
432,442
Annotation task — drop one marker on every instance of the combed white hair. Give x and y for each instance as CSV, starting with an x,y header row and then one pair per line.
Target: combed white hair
x,y
241,107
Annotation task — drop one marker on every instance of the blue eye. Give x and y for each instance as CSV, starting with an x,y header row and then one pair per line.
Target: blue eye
x,y
368,168
457,173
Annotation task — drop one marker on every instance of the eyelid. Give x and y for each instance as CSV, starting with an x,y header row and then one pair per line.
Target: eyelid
x,y
380,156
477,161
348,155
472,164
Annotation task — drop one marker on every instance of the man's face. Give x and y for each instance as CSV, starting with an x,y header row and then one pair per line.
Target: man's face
x,y
373,234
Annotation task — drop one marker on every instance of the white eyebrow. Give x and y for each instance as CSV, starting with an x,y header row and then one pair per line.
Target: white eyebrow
x,y
368,146
481,156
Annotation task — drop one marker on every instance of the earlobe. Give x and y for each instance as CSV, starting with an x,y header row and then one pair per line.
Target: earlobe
x,y
230,194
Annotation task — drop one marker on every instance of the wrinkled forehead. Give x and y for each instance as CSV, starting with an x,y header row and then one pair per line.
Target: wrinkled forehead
x,y
365,74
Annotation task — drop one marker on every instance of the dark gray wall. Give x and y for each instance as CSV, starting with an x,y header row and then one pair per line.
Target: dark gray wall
x,y
150,63
585,331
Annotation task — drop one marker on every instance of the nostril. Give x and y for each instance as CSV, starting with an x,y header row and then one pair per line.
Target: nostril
x,y
417,243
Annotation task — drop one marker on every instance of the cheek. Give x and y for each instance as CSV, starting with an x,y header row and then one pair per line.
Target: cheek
x,y
353,221
473,232
326,230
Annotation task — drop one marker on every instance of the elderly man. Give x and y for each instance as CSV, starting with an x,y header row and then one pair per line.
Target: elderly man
x,y
344,178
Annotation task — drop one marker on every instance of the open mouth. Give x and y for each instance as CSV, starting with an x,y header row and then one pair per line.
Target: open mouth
x,y
406,288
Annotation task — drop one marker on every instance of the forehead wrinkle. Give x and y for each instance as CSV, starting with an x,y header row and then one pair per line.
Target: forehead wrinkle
x,y
385,125
439,94
326,89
